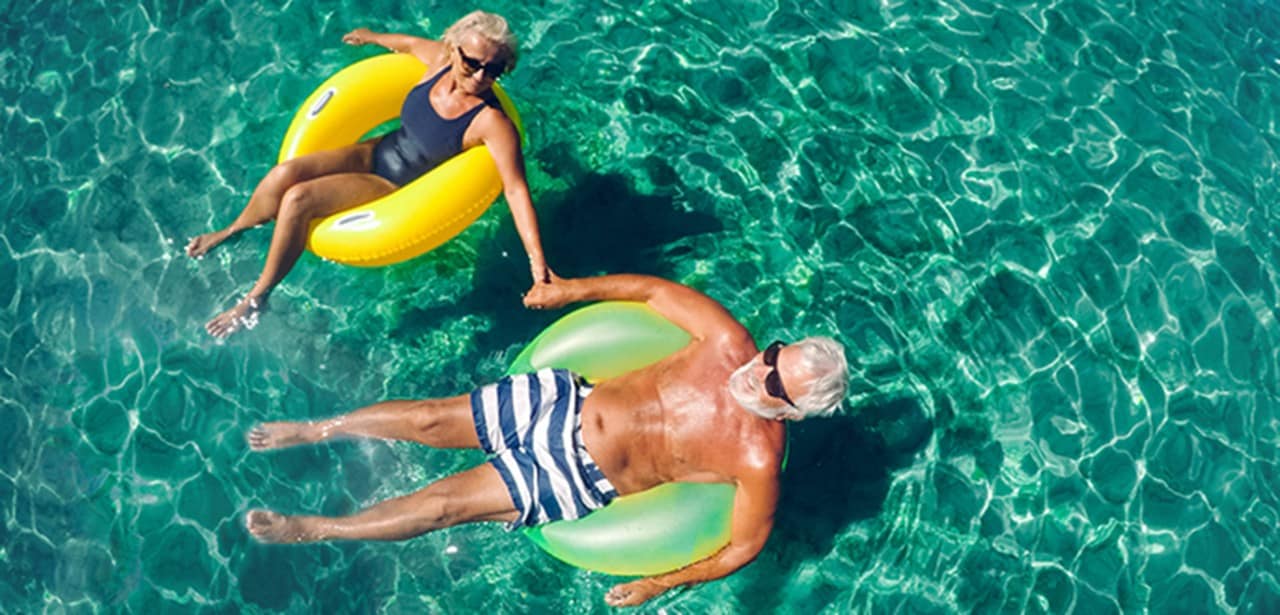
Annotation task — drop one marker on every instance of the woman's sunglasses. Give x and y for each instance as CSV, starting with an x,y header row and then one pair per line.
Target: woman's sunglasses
x,y
493,69
773,380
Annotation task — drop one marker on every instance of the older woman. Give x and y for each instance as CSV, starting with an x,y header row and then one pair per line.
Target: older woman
x,y
453,108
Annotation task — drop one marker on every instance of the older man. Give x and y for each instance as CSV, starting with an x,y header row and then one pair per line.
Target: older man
x,y
711,412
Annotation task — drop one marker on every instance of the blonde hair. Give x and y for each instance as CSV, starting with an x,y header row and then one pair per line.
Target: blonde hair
x,y
490,27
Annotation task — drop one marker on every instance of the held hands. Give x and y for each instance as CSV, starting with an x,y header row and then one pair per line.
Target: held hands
x,y
550,294
633,593
359,36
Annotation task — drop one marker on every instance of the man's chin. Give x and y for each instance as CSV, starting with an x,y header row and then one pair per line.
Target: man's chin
x,y
746,400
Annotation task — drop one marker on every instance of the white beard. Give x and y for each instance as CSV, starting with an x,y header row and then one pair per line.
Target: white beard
x,y
746,390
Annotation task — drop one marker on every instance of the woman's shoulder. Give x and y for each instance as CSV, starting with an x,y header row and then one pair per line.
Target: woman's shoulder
x,y
493,127
492,112
435,54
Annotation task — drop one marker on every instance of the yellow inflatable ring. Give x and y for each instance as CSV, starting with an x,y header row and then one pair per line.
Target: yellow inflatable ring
x,y
420,215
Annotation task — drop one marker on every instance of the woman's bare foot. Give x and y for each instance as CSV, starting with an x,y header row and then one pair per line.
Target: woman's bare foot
x,y
267,436
243,315
200,244
269,526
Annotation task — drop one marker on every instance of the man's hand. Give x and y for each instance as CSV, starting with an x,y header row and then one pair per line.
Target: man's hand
x,y
359,36
633,593
545,295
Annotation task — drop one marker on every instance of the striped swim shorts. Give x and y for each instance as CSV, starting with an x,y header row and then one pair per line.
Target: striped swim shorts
x,y
532,425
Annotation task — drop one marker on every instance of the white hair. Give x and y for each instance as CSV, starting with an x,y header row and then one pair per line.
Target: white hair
x,y
822,357
746,390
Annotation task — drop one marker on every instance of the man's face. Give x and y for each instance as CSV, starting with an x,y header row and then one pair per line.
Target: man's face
x,y
764,384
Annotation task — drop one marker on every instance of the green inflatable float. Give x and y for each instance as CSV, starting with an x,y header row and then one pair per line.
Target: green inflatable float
x,y
655,531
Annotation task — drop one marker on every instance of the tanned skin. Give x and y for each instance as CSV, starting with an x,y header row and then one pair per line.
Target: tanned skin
x,y
671,421
298,191
675,421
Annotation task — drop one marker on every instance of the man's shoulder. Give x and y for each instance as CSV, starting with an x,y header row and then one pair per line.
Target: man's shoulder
x,y
732,346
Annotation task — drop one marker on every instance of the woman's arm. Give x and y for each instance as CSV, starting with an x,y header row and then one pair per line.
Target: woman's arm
x,y
426,50
497,132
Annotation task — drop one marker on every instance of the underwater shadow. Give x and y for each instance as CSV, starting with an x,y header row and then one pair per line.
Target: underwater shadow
x,y
838,473
601,224
604,226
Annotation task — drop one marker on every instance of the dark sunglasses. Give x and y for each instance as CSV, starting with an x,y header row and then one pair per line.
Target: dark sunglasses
x,y
773,380
493,69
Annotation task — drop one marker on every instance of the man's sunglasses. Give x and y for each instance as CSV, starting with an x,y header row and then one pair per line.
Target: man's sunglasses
x,y
493,69
773,380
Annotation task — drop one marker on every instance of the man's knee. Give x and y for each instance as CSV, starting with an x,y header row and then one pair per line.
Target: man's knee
x,y
427,419
438,511
444,422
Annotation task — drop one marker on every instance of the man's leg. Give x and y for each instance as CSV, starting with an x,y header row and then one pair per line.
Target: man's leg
x,y
439,423
477,494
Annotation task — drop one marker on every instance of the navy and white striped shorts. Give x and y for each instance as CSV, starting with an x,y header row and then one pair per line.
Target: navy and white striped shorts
x,y
532,424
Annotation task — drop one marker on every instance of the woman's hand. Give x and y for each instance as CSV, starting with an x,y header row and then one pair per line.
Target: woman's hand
x,y
540,272
359,36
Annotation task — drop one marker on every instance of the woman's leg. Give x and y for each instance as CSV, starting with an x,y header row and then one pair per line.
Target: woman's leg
x,y
477,494
300,204
439,423
269,193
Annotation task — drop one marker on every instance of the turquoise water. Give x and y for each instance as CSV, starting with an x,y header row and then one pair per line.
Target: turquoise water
x,y
1047,233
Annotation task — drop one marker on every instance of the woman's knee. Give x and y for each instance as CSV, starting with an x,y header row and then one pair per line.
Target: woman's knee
x,y
299,201
284,176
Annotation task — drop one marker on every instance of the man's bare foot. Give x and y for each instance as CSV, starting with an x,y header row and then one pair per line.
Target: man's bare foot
x,y
200,244
267,436
243,315
269,526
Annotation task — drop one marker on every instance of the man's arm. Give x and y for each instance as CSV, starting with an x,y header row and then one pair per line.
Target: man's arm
x,y
753,508
700,315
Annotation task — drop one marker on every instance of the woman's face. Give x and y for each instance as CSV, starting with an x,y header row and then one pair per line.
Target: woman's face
x,y
476,63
